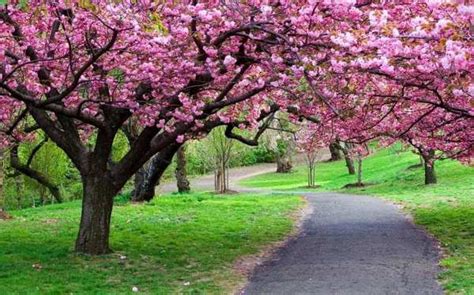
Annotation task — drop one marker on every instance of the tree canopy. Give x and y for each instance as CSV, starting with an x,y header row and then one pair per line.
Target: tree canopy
x,y
360,69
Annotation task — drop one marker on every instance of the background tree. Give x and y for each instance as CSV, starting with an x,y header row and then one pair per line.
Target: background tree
x,y
310,141
360,152
180,172
335,151
346,148
222,150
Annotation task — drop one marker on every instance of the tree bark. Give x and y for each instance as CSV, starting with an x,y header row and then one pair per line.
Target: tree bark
x,y
181,175
359,171
311,176
221,179
349,164
349,160
347,157
429,164
97,204
149,176
335,152
284,164
147,179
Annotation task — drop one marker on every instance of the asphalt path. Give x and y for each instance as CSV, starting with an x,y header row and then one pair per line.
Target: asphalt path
x,y
347,245
352,245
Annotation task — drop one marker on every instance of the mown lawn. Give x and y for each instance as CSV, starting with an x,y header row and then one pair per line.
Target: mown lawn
x,y
176,244
445,209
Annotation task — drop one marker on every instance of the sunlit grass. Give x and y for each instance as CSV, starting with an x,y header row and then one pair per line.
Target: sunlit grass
x,y
176,244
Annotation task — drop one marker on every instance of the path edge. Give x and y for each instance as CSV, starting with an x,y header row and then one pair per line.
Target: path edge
x,y
246,265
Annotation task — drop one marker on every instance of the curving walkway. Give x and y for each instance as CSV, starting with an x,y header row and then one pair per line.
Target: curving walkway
x,y
352,245
348,245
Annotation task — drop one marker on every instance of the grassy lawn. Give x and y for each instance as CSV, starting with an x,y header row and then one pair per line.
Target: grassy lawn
x,y
176,244
446,209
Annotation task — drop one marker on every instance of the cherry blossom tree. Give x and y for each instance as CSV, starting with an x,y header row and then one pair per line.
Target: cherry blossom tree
x,y
82,70
74,69
359,152
310,140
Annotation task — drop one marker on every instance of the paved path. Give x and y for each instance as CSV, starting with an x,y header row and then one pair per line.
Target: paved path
x,y
348,245
206,182
352,245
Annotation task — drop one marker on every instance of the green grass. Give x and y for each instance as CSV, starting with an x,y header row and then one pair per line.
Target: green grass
x,y
176,244
446,209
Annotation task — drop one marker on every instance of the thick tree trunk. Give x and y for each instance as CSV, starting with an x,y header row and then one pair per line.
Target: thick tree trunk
x,y
347,157
349,164
146,180
335,152
97,204
181,176
429,163
149,176
284,164
139,178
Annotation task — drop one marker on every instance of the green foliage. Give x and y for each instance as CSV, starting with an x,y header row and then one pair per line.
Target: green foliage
x,y
21,191
120,147
446,209
174,245
201,156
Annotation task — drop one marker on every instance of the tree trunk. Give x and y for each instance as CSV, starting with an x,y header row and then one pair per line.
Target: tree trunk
x,y
97,204
335,152
181,176
349,164
311,176
147,179
284,164
429,163
149,176
138,183
347,158
359,171
221,178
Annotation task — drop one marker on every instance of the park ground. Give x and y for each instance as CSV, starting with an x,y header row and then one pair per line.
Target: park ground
x,y
190,244
445,210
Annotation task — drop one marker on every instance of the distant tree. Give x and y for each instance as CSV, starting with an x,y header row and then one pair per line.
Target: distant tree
x,y
359,152
310,140
180,172
345,148
335,152
222,148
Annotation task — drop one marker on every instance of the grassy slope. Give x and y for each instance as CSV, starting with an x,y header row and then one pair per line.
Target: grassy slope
x,y
168,243
445,209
